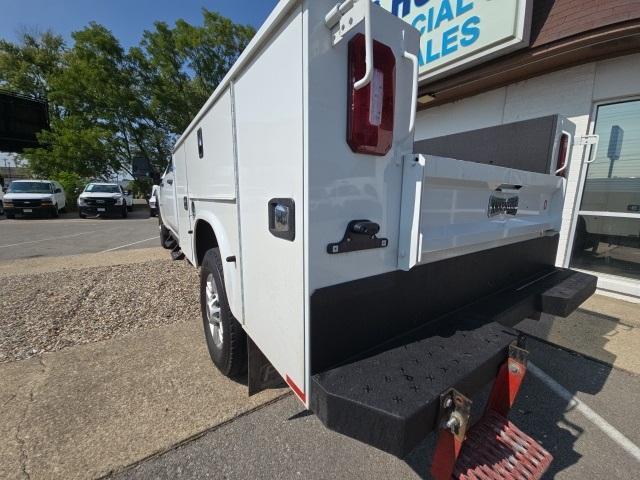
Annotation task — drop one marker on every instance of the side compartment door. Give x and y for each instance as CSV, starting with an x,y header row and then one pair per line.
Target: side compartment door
x,y
183,202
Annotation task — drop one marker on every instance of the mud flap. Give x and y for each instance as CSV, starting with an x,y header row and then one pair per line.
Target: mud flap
x,y
261,374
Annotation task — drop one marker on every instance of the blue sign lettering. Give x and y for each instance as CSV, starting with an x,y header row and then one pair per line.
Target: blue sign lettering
x,y
445,13
450,41
440,16
470,31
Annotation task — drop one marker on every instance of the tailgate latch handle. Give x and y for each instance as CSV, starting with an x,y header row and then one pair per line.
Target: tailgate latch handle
x,y
359,235
365,227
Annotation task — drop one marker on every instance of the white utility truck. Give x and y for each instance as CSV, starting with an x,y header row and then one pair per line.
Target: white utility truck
x,y
381,283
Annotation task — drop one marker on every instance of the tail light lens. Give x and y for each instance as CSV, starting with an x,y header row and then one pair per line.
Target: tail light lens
x,y
563,154
370,109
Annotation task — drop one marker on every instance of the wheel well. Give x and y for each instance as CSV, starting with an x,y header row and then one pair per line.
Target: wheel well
x,y
205,240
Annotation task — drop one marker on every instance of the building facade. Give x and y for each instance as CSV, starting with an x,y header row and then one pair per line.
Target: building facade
x,y
579,59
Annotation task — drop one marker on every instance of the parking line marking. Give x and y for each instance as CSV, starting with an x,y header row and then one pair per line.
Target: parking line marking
x,y
129,244
575,403
46,239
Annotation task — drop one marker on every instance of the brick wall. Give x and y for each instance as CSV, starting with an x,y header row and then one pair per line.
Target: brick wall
x,y
557,19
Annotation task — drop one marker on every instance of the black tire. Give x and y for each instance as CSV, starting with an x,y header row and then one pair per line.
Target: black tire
x,y
229,350
81,215
165,236
63,209
55,213
11,216
125,211
130,209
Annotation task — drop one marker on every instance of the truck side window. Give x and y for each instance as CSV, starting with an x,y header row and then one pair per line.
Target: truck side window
x,y
200,144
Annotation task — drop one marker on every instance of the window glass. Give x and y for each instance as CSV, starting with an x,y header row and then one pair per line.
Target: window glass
x,y
613,179
30,187
607,237
98,188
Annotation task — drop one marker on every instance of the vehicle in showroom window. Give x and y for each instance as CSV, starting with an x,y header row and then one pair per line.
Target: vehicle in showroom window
x,y
34,197
104,199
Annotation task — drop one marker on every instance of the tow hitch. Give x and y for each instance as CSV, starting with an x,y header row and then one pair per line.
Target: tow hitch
x,y
494,448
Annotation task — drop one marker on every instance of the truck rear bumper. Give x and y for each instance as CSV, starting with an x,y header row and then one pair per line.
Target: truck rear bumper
x,y
389,397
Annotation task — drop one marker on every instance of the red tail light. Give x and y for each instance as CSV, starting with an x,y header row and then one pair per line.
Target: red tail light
x,y
563,154
370,109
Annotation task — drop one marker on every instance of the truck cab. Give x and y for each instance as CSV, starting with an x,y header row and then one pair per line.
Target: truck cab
x,y
167,200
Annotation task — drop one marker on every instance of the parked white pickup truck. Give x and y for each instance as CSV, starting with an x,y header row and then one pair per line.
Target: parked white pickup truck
x,y
374,279
102,199
34,197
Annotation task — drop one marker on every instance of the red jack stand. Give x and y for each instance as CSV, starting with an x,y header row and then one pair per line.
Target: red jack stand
x,y
494,448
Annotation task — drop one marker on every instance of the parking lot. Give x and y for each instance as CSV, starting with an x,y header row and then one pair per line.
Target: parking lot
x,y
34,237
104,372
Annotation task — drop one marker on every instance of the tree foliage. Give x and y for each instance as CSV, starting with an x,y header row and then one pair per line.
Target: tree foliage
x,y
109,105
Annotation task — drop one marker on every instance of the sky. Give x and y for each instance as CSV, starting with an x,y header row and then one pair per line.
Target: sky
x,y
127,19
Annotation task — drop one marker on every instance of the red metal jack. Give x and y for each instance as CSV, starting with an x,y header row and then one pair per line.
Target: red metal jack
x,y
494,448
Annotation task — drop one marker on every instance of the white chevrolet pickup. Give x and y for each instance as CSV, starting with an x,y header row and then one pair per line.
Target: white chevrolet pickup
x,y
102,199
380,282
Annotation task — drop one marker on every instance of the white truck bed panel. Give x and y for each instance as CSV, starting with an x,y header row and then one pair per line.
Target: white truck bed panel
x,y
344,186
269,123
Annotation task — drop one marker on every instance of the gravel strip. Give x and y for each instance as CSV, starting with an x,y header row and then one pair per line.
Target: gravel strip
x,y
27,266
46,312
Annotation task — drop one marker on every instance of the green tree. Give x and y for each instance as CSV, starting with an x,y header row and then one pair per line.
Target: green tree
x,y
27,66
110,105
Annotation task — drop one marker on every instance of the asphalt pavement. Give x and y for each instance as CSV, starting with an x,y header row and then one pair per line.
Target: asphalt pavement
x,y
70,235
282,440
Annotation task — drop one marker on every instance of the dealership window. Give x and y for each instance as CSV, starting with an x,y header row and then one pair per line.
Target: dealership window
x,y
607,236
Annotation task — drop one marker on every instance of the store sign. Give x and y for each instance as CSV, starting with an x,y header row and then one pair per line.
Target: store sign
x,y
456,34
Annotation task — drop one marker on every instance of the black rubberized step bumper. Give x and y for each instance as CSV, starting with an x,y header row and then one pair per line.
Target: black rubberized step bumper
x,y
389,398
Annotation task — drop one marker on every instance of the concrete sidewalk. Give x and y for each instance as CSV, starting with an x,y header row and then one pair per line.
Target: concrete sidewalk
x,y
89,410
603,328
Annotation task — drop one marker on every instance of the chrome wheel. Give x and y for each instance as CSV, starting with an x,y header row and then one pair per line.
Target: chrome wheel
x,y
213,311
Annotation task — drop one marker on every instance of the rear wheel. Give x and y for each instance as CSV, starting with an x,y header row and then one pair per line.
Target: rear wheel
x,y
226,340
124,211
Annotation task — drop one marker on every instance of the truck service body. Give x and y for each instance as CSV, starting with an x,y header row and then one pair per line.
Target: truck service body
x,y
340,244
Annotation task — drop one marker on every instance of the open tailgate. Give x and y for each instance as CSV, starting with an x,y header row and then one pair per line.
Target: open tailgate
x,y
454,207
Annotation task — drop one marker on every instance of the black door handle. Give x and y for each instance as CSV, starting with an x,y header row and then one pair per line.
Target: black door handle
x,y
185,202
365,227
